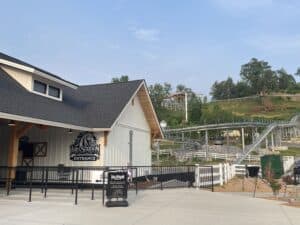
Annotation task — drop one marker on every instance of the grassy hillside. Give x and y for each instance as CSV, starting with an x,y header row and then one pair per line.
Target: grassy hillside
x,y
271,108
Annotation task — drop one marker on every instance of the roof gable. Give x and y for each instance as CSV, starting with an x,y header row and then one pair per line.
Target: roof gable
x,y
92,106
89,107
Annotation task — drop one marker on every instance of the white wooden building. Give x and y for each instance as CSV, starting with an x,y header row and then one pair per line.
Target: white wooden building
x,y
43,115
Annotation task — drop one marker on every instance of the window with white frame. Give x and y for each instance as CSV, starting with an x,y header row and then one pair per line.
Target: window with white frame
x,y
40,87
47,90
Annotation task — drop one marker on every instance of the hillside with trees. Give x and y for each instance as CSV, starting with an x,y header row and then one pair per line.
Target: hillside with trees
x,y
261,94
257,78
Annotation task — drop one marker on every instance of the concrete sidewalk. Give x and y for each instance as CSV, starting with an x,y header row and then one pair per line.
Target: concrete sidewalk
x,y
167,207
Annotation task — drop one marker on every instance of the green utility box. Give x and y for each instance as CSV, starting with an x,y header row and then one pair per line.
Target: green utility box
x,y
272,164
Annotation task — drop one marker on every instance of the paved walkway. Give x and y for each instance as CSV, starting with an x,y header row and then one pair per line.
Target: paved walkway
x,y
167,207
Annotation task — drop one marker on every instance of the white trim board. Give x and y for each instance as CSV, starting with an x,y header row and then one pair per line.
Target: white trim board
x,y
49,123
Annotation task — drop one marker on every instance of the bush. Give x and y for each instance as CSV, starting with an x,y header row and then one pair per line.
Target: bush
x,y
275,185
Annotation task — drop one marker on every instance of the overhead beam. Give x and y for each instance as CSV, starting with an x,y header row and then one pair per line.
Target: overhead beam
x,y
23,130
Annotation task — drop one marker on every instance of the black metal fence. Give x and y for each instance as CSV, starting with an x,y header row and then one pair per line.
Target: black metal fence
x,y
95,178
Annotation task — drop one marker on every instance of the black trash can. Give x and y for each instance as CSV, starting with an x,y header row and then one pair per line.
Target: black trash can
x,y
253,171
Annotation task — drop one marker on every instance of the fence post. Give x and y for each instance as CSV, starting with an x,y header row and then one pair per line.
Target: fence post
x,y
295,177
221,174
76,191
73,175
136,181
188,174
212,178
103,187
197,175
226,173
93,190
81,186
161,181
43,180
30,184
46,183
8,180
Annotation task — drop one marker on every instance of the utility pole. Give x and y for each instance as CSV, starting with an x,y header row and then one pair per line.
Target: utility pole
x,y
243,139
186,106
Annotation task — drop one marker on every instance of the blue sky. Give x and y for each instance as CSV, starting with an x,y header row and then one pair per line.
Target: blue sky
x,y
189,42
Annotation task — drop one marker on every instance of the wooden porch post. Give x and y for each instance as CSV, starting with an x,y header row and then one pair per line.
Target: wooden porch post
x,y
13,151
12,156
13,148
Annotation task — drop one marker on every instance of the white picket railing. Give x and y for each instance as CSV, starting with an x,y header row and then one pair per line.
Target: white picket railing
x,y
224,172
213,155
288,162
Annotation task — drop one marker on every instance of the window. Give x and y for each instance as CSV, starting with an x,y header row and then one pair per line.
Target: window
x,y
40,87
54,92
47,90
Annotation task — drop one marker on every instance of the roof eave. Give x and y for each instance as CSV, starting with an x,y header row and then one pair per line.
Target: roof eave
x,y
38,73
32,120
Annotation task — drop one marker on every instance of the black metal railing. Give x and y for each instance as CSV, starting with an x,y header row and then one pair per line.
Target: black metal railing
x,y
95,178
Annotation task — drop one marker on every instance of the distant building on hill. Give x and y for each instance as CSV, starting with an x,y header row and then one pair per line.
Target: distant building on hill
x,y
177,102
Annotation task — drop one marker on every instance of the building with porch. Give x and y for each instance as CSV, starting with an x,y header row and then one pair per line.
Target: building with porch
x,y
48,121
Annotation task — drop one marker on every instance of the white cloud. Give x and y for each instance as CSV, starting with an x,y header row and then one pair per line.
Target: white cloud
x,y
146,34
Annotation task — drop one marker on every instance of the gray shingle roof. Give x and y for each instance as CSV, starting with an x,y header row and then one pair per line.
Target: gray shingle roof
x,y
92,106
18,61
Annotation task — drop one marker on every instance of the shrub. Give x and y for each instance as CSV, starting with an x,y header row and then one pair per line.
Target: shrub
x,y
275,185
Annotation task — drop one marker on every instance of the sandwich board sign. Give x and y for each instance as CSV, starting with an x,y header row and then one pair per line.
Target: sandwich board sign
x,y
116,189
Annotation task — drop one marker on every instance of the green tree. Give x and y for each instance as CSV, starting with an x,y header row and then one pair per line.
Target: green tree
x,y
285,80
195,110
158,93
259,76
183,88
242,89
268,82
123,78
298,72
223,90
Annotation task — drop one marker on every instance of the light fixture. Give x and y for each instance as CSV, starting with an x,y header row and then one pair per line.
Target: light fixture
x,y
70,131
11,123
163,124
